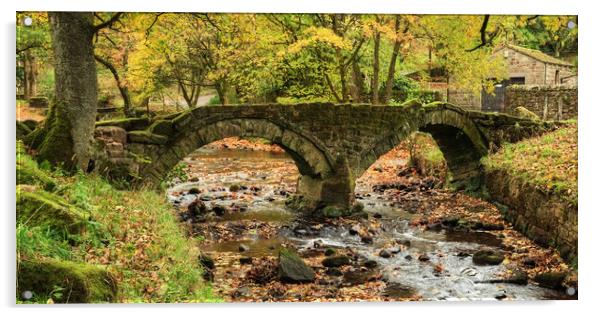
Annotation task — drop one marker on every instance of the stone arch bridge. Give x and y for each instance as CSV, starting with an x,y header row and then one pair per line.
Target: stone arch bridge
x,y
332,145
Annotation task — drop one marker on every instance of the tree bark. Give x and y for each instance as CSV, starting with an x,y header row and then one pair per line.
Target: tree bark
x,y
392,63
30,74
358,82
69,127
375,68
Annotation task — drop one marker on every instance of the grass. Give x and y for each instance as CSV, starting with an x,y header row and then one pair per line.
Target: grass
x,y
548,161
426,156
135,233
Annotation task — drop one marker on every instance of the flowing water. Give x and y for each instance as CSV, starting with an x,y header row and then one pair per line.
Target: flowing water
x,y
258,183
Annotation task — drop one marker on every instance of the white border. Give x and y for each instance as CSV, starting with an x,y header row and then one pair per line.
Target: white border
x,y
590,116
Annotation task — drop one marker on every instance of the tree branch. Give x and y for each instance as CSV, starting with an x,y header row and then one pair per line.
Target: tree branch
x,y
486,39
107,23
148,29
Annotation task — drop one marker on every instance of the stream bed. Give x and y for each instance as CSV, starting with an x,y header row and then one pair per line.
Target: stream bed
x,y
395,255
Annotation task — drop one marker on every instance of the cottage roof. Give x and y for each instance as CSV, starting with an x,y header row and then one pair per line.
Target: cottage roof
x,y
538,55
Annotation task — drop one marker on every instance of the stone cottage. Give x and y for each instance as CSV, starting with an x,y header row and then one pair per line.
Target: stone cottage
x,y
526,67
532,67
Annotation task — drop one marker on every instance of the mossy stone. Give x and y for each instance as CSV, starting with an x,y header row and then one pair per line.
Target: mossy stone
x,y
133,123
332,212
161,127
487,257
552,280
146,137
336,261
291,268
41,208
80,282
32,175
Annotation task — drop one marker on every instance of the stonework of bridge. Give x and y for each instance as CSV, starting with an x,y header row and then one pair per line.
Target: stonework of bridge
x,y
332,145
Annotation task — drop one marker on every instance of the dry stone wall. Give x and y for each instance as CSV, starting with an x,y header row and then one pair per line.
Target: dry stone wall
x,y
549,103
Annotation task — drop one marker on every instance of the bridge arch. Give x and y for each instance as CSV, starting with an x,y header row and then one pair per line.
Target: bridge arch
x,y
456,134
311,160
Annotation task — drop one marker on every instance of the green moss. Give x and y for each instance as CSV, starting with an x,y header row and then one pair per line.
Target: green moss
x,y
523,112
146,137
65,281
22,130
332,212
56,142
161,127
28,171
132,123
119,217
41,208
548,161
174,258
182,120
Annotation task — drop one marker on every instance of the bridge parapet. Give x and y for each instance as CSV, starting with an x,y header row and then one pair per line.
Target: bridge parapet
x,y
332,145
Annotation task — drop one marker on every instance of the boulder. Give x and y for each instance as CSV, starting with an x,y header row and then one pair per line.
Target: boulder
x,y
523,112
197,208
370,264
332,212
424,257
384,254
219,210
334,272
487,257
291,268
552,280
194,190
336,261
330,252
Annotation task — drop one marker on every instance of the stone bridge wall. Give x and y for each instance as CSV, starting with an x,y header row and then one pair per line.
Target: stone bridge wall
x,y
332,145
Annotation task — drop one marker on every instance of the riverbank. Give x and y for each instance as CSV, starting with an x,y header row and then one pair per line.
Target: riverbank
x,y
536,181
417,240
130,241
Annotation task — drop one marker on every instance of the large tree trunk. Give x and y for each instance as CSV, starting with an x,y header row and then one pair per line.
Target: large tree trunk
x,y
69,127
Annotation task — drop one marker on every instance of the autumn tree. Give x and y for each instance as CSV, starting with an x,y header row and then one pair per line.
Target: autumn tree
x,y
112,47
455,43
66,135
551,34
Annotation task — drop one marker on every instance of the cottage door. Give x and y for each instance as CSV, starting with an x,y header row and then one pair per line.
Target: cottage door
x,y
493,102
